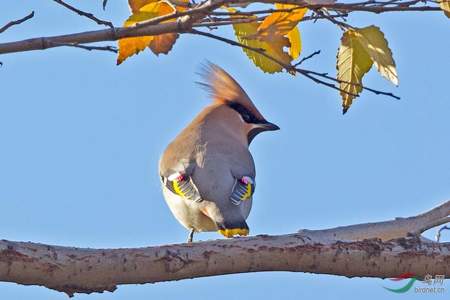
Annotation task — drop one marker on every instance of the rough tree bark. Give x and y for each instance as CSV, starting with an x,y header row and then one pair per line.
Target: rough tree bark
x,y
383,249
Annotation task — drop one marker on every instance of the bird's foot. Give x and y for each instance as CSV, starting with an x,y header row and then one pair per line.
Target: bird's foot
x,y
191,235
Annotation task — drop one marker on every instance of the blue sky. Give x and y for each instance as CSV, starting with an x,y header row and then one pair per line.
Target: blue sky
x,y
81,139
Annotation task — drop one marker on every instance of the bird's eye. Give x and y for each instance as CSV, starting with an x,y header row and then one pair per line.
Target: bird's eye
x,y
247,118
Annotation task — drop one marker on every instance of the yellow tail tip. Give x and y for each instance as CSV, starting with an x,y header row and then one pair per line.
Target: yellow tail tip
x,y
229,233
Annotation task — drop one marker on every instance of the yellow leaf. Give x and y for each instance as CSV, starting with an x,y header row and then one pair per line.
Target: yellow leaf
x,y
445,6
352,63
280,23
135,5
163,43
274,48
134,45
296,43
372,40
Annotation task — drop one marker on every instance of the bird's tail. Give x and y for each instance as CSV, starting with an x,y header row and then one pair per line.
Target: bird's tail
x,y
230,229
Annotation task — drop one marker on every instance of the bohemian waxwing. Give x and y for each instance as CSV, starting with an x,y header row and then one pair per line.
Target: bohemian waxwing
x,y
207,172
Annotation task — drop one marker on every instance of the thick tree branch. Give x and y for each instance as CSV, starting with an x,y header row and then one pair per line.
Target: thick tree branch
x,y
400,227
384,249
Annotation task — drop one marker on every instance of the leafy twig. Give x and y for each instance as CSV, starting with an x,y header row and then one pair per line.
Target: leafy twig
x,y
314,76
287,67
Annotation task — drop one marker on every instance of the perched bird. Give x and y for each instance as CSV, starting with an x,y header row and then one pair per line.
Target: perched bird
x,y
207,171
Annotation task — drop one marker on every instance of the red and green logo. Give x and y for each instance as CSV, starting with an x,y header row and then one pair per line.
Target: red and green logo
x,y
412,278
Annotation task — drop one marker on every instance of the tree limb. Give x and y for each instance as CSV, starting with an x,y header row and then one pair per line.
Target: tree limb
x,y
384,249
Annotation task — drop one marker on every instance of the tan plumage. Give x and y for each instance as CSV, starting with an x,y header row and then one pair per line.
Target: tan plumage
x,y
207,170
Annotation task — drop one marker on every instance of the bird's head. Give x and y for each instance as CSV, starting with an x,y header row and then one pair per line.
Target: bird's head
x,y
227,92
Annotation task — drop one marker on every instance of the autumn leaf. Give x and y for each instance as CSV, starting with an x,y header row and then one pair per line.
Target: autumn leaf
x,y
134,45
374,43
352,63
445,6
135,5
276,32
280,23
283,24
360,48
163,43
158,44
273,48
296,43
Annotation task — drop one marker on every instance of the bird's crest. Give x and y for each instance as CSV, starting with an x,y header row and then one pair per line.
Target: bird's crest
x,y
224,89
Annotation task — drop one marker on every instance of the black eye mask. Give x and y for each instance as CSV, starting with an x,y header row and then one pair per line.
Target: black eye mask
x,y
246,115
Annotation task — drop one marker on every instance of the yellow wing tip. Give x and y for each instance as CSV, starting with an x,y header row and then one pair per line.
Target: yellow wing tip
x,y
229,233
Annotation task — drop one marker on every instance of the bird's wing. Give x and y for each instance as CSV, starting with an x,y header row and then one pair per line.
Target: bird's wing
x,y
177,165
242,190
182,184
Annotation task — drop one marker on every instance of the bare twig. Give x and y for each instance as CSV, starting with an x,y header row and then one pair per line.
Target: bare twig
x,y
245,19
85,14
16,22
438,234
325,14
90,48
307,57
254,12
376,92
368,6
227,22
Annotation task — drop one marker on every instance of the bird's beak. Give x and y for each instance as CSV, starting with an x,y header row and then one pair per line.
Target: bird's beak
x,y
260,127
267,126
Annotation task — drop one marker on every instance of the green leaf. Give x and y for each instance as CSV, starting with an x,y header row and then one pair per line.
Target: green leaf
x,y
353,63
